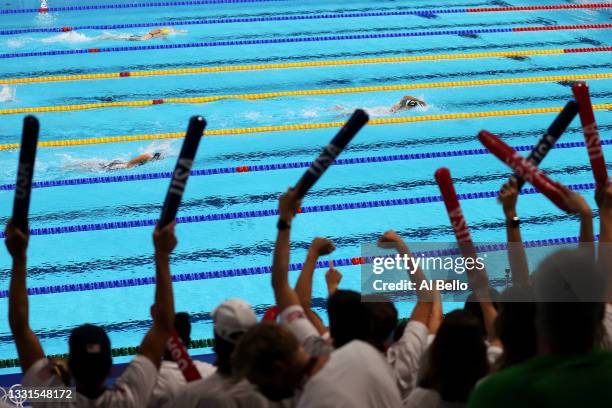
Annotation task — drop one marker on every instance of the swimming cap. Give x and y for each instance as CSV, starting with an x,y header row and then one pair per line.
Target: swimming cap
x,y
166,31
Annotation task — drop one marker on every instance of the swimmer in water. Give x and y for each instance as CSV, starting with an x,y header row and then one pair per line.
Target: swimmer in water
x,y
157,33
408,102
136,161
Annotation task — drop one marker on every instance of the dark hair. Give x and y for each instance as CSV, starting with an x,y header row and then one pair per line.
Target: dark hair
x,y
183,327
223,355
570,290
380,319
262,349
515,326
345,312
472,305
457,357
89,369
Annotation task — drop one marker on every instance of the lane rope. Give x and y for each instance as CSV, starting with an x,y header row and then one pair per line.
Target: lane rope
x,y
325,16
283,166
205,2
130,5
305,92
302,126
112,225
299,64
228,273
209,342
283,40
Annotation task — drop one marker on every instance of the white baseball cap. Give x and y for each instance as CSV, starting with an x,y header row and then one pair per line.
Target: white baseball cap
x,y
233,317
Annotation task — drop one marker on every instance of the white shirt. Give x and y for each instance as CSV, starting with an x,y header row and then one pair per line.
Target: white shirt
x,y
426,398
405,356
132,389
219,391
170,379
294,318
356,376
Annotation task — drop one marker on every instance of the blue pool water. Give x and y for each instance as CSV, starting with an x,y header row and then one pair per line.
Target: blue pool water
x,y
237,243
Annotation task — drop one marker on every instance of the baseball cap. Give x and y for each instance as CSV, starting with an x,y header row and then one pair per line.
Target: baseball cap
x,y
233,318
90,356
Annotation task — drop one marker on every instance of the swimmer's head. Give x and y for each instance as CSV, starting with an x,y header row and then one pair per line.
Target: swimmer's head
x,y
156,156
165,31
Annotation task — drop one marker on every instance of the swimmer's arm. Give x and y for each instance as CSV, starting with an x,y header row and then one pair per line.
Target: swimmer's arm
x,y
136,161
154,343
29,348
284,295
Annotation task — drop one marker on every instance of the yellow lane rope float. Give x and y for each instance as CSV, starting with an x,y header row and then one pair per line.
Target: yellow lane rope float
x,y
298,64
304,126
306,92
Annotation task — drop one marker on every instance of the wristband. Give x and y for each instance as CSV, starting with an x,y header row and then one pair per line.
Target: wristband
x,y
282,225
514,222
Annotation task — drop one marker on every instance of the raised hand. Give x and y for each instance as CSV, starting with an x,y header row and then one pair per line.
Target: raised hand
x,y
333,278
16,241
575,203
288,205
322,246
164,240
508,196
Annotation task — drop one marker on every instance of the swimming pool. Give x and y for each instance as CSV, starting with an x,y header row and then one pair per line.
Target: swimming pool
x,y
231,232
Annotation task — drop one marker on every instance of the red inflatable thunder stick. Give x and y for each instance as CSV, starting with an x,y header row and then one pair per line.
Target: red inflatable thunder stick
x,y
523,168
180,355
462,233
271,314
591,133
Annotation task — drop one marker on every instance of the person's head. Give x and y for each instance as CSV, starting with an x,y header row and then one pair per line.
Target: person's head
x,y
569,289
473,306
156,156
515,326
345,312
380,320
182,325
231,319
271,358
457,357
90,358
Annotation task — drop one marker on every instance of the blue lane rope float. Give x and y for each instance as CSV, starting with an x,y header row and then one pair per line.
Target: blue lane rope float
x,y
130,5
233,20
272,212
281,166
259,270
283,40
205,2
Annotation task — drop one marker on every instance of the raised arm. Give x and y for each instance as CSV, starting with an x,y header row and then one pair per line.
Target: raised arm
x,y
422,310
154,343
28,345
287,208
303,287
332,278
578,205
603,196
517,257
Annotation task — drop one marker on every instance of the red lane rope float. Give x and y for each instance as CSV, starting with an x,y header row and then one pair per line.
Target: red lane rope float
x,y
196,276
535,8
591,133
302,39
523,168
